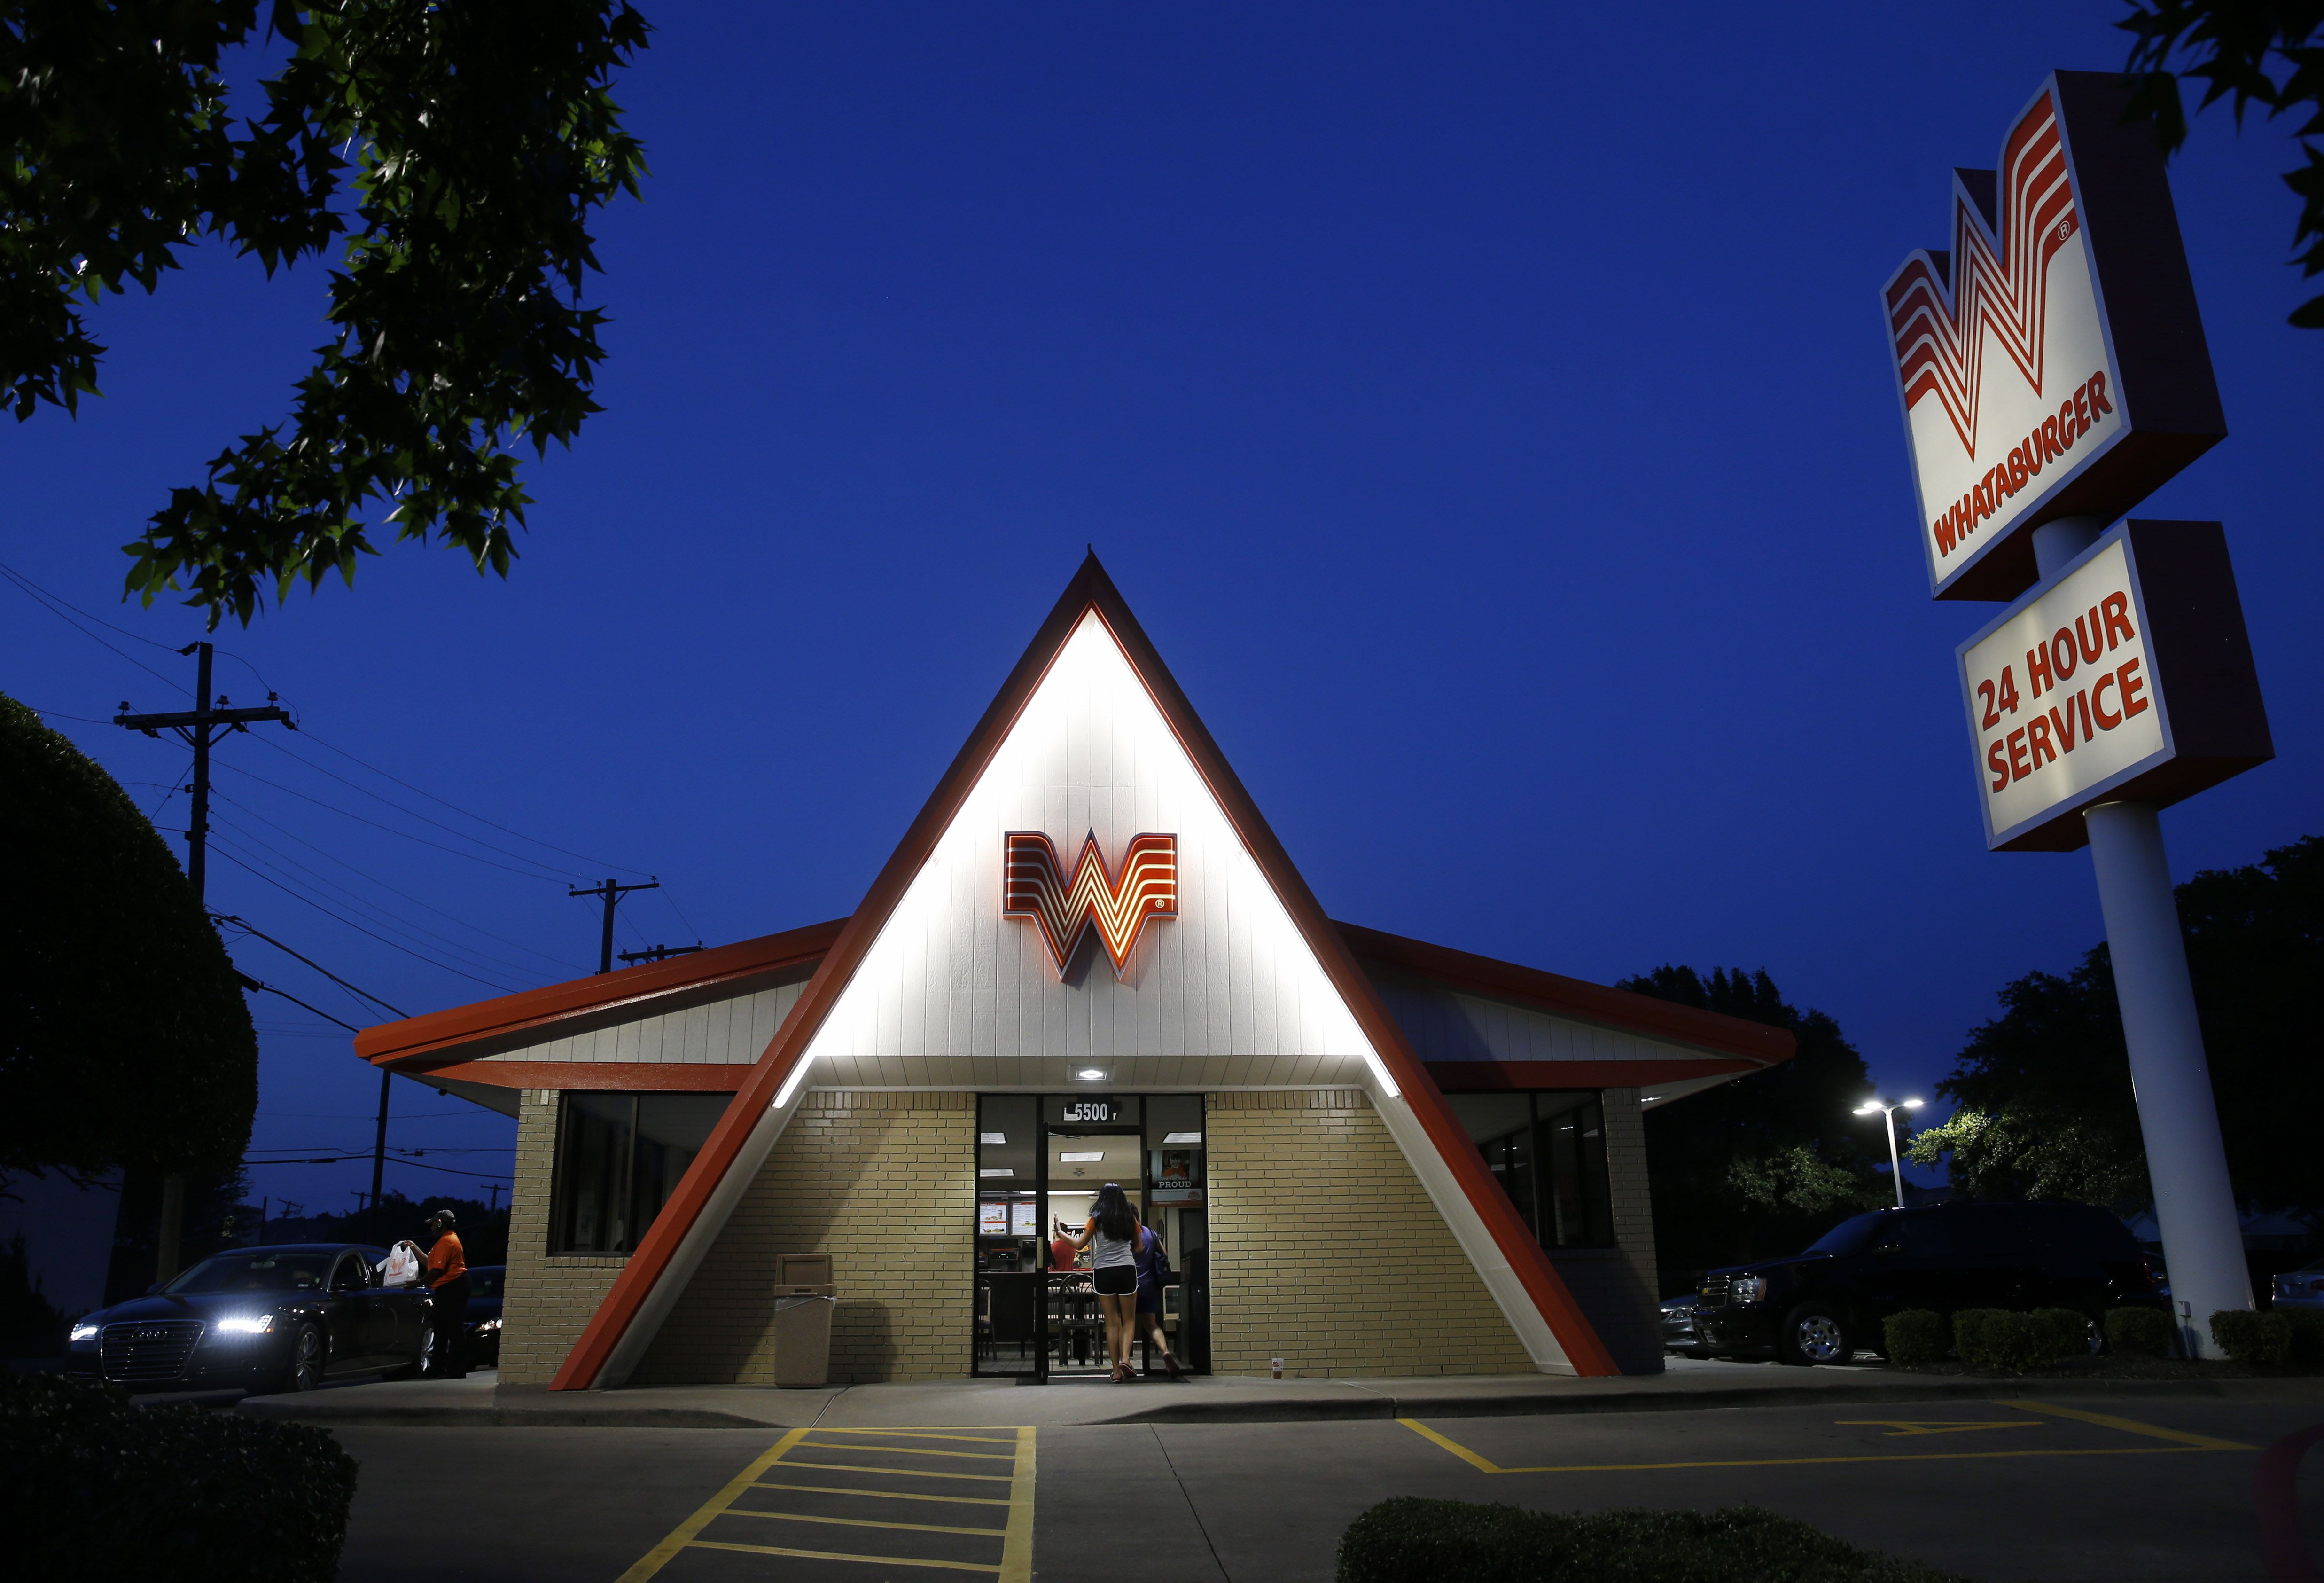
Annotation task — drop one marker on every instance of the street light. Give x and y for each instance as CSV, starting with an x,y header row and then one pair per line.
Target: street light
x,y
1895,1166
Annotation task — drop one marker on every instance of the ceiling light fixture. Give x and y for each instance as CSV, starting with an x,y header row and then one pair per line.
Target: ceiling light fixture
x,y
992,1137
997,1170
1073,1158
1182,1137
1091,1075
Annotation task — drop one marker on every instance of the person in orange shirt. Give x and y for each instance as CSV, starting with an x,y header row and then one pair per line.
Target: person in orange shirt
x,y
448,1296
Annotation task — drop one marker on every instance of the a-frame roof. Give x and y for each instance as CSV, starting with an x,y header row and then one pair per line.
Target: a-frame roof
x,y
1496,1237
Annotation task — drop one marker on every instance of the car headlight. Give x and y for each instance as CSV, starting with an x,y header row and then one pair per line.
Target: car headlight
x,y
246,1324
489,1328
1748,1288
82,1332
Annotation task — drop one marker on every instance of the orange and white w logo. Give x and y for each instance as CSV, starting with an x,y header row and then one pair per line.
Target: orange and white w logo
x,y
1033,885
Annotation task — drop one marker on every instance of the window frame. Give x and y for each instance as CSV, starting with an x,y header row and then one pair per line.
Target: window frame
x,y
1596,1188
626,1194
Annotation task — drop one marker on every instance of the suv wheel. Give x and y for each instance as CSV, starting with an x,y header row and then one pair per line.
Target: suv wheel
x,y
1814,1333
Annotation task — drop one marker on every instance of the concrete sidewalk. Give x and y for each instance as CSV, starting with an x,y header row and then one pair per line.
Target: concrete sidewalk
x,y
480,1401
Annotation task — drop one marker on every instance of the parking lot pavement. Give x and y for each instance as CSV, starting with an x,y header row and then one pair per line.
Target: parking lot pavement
x,y
2002,1490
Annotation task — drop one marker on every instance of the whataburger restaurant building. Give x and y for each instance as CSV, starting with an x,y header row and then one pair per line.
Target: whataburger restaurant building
x,y
1089,960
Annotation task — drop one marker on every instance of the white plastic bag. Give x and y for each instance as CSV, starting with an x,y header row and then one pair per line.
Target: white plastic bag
x,y
402,1265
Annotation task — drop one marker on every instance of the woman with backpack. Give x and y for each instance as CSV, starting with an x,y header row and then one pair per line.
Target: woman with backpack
x,y
1153,1274
1112,1235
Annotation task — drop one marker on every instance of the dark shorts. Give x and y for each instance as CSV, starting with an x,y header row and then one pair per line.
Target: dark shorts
x,y
1114,1280
1150,1298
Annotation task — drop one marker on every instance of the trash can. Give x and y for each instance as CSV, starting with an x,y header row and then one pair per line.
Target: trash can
x,y
804,1299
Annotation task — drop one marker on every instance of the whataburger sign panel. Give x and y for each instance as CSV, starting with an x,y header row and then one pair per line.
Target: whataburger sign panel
x,y
2051,362
2128,675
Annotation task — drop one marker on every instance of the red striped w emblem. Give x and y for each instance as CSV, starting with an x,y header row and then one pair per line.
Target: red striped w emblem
x,y
1033,885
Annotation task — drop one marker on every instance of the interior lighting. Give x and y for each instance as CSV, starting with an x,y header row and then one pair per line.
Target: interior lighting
x,y
1182,1137
1091,1075
1072,1157
992,1137
248,1325
997,1170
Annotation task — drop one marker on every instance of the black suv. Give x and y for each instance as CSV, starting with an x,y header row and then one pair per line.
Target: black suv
x,y
1821,1305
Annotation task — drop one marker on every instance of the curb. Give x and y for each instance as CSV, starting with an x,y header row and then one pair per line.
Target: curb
x,y
1358,1405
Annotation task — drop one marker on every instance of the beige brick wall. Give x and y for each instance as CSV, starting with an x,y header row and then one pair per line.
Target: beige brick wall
x,y
886,1184
548,1300
1615,1287
1325,1251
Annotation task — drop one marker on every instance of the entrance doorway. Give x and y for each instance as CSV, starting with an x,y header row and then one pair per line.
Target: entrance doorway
x,y
1041,1159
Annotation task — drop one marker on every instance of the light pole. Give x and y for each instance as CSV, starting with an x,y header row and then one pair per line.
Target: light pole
x,y
1895,1166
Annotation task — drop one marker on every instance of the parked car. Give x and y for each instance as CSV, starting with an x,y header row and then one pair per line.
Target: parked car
x,y
1679,1334
2302,1288
264,1318
484,1314
1822,1305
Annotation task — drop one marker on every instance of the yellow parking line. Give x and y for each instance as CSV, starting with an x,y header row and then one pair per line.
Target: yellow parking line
x,y
920,1434
835,1555
859,1523
1017,1548
2132,1426
679,1537
879,1495
900,1472
1484,1465
913,1451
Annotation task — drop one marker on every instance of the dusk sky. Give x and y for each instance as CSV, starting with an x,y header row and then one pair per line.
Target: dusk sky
x,y
1486,411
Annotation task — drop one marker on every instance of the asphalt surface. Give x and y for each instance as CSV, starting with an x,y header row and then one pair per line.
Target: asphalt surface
x,y
2119,1488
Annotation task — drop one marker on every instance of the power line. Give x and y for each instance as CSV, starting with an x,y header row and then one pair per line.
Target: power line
x,y
547,873
318,966
250,983
456,808
374,879
49,603
101,621
393,920
358,928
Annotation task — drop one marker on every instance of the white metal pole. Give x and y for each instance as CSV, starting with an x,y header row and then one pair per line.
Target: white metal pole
x,y
1895,1166
2186,1163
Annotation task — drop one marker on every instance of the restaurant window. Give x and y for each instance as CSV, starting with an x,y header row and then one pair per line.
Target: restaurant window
x,y
1548,1150
619,1157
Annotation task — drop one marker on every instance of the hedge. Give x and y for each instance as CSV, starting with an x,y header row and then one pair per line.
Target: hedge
x,y
1917,1336
2001,1342
93,1490
2141,1332
2307,1334
1411,1540
2246,1337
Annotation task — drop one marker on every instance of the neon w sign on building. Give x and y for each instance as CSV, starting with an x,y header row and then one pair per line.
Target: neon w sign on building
x,y
1034,886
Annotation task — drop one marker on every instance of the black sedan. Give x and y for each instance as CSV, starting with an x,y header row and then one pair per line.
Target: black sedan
x,y
263,1318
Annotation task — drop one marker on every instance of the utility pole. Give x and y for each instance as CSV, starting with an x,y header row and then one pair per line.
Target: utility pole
x,y
612,893
199,726
657,953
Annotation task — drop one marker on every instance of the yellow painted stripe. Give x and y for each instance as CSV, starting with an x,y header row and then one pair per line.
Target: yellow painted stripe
x,y
879,1495
832,1555
1017,1548
2132,1426
920,1434
1479,1463
897,1472
679,1537
912,1451
1458,1449
859,1523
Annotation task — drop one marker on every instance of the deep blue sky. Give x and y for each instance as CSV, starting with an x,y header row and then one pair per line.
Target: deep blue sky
x,y
1484,409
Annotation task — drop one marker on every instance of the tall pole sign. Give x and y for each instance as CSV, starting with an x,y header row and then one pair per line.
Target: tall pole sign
x,y
2052,373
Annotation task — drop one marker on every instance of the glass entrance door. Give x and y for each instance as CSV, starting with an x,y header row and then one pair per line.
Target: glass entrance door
x,y
1087,1142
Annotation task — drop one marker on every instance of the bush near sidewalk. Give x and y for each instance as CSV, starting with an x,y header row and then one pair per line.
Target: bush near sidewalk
x,y
2246,1337
1916,1337
94,1490
2141,1332
1410,1540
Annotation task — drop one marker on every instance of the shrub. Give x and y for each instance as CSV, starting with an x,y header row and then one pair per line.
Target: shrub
x,y
2065,1331
2141,1332
2307,1334
94,1489
1995,1341
1462,1541
1917,1336
2246,1337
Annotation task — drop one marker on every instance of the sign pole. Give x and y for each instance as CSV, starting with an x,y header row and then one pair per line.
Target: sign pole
x,y
2186,1163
